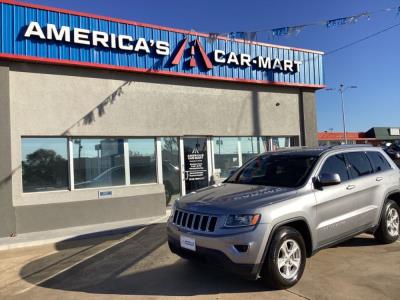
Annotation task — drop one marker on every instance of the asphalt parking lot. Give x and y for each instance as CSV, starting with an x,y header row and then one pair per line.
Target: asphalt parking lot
x,y
138,264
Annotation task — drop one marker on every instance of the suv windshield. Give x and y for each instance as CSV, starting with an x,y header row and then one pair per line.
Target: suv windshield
x,y
284,170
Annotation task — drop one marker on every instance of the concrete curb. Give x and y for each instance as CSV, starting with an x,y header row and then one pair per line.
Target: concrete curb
x,y
81,232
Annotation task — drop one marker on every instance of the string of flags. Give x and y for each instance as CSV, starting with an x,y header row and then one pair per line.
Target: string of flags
x,y
295,30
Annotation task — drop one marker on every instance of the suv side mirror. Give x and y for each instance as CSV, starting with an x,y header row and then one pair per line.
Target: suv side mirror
x,y
327,179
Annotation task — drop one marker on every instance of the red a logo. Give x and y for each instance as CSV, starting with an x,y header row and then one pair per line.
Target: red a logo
x,y
192,63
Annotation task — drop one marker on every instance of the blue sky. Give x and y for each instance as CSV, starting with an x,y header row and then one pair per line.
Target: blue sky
x,y
372,65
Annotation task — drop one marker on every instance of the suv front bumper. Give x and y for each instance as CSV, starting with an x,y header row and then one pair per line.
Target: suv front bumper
x,y
220,249
215,257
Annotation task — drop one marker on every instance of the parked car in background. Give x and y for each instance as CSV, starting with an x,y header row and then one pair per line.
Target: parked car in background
x,y
282,207
393,151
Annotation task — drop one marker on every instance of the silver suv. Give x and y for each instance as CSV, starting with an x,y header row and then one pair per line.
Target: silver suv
x,y
282,207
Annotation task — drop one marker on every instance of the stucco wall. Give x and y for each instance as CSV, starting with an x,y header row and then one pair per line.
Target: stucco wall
x,y
148,202
48,100
7,214
54,100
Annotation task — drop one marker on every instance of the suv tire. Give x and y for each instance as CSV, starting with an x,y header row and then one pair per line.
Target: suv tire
x,y
389,228
286,259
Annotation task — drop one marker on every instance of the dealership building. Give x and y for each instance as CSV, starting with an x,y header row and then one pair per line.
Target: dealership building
x,y
105,120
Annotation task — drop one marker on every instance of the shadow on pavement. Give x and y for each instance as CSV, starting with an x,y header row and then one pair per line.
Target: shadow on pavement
x,y
183,278
114,270
359,241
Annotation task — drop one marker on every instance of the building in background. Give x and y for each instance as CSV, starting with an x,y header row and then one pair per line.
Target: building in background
x,y
106,120
337,138
384,135
377,136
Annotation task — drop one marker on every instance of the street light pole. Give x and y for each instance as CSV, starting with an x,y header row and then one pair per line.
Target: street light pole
x,y
341,90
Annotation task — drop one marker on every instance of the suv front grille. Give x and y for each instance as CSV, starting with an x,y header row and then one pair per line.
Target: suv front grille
x,y
194,221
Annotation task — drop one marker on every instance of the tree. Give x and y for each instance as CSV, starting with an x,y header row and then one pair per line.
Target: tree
x,y
44,168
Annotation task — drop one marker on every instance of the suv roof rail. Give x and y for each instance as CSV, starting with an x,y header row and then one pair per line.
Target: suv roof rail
x,y
349,146
283,149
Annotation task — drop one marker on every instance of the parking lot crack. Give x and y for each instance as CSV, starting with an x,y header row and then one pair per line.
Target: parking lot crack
x,y
298,295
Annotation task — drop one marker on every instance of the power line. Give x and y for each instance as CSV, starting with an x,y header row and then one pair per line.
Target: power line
x,y
361,40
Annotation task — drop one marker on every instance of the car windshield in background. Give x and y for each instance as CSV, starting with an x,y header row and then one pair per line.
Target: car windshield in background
x,y
283,170
395,147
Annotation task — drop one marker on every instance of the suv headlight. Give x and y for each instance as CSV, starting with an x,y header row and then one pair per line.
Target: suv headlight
x,y
242,220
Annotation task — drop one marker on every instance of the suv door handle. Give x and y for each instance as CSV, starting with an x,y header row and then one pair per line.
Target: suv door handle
x,y
350,187
379,178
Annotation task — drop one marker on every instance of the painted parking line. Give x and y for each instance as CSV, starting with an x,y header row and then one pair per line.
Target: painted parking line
x,y
129,236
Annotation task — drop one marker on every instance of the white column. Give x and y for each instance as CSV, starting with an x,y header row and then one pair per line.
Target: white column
x,y
212,153
261,145
182,161
209,161
270,144
126,162
239,147
71,164
159,161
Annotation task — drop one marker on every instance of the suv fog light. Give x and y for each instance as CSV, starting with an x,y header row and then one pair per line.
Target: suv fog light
x,y
241,248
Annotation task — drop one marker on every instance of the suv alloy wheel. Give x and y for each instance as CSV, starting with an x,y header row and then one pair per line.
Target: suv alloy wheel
x,y
389,227
286,259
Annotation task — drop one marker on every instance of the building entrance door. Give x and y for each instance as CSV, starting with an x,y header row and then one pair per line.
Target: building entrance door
x,y
195,163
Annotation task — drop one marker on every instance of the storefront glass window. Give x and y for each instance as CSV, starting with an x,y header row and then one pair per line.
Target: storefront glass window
x,y
250,147
170,168
294,141
226,154
98,162
280,142
264,144
44,164
142,160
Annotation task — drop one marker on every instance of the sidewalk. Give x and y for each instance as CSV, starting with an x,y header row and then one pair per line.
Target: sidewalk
x,y
89,231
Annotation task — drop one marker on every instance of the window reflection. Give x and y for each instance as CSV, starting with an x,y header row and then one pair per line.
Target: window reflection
x,y
226,154
251,146
170,168
280,142
232,152
142,160
44,164
98,162
284,142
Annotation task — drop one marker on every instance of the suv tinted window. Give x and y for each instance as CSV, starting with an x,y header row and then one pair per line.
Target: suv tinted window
x,y
378,161
336,164
275,170
359,164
